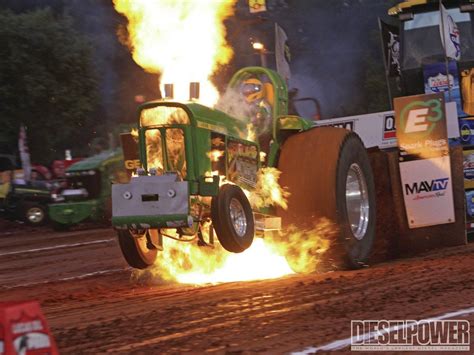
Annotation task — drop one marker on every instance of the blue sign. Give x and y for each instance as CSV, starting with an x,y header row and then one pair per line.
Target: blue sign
x,y
436,81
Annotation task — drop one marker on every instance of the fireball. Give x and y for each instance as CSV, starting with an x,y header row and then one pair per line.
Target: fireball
x,y
184,41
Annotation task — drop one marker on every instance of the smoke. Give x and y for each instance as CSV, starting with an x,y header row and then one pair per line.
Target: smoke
x,y
233,103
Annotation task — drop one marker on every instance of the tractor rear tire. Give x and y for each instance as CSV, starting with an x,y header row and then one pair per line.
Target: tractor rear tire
x,y
232,218
137,249
328,174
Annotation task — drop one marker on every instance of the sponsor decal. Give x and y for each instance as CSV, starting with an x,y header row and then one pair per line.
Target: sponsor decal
x,y
439,82
29,334
465,132
421,127
242,162
427,188
470,203
132,164
349,125
468,168
389,129
421,116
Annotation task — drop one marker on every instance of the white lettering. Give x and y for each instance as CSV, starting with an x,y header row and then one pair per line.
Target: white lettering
x,y
416,121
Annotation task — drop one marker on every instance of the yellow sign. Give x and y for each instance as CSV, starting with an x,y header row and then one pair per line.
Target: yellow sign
x,y
467,82
257,6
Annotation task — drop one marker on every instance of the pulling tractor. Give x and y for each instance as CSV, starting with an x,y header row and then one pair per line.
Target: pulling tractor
x,y
192,166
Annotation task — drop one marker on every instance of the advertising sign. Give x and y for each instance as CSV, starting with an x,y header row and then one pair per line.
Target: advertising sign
x,y
468,167
421,127
427,191
466,131
470,203
425,167
436,80
242,162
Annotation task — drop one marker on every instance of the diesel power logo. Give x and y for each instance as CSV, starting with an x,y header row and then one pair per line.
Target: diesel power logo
x,y
421,117
389,129
430,189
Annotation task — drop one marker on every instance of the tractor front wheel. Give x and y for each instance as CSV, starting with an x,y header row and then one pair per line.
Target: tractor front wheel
x,y
232,218
139,247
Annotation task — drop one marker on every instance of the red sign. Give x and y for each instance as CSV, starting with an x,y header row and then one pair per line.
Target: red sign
x,y
23,330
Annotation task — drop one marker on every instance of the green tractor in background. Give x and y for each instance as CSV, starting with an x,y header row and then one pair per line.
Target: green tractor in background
x,y
192,164
88,188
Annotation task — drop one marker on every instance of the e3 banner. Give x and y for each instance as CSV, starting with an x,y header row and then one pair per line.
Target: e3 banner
x,y
425,166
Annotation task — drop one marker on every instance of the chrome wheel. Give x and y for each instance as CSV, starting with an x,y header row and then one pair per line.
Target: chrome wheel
x,y
357,201
237,216
35,215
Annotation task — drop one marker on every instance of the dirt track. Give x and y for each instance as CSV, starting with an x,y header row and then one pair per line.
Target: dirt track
x,y
93,305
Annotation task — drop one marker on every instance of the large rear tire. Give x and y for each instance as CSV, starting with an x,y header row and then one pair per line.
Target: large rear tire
x,y
232,218
137,247
328,174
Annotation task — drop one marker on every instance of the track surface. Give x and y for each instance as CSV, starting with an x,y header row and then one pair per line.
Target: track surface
x,y
93,305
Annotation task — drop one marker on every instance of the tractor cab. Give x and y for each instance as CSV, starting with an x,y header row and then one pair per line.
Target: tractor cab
x,y
264,96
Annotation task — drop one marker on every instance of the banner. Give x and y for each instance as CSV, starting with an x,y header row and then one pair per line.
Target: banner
x,y
425,166
436,80
24,154
449,31
257,6
421,126
282,53
391,48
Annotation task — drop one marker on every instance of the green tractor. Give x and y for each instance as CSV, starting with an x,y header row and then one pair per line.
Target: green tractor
x,y
191,165
87,192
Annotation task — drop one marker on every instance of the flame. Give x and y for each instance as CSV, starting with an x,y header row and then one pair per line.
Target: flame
x,y
268,191
251,134
278,254
182,40
215,154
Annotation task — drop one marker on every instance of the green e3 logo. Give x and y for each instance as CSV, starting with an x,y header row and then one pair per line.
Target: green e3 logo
x,y
421,116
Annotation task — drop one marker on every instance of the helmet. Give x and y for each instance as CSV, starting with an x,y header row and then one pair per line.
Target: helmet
x,y
252,89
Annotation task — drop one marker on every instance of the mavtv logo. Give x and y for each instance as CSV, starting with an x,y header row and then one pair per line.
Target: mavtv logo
x,y
426,186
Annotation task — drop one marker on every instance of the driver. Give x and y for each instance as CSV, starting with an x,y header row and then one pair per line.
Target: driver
x,y
256,95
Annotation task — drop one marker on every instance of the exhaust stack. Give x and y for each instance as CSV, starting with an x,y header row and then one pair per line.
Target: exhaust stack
x,y
194,91
169,91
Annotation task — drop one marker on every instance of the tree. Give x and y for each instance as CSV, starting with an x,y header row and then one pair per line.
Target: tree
x,y
47,83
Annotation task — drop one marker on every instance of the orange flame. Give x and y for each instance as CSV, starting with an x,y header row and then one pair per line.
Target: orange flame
x,y
182,40
215,154
276,255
